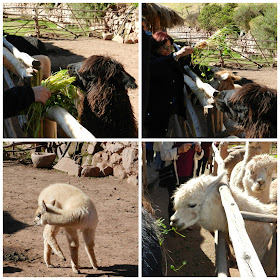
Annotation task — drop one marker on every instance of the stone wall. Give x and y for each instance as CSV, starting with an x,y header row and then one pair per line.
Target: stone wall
x,y
99,159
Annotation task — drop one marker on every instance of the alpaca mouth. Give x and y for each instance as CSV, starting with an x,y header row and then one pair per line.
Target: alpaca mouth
x,y
257,188
178,226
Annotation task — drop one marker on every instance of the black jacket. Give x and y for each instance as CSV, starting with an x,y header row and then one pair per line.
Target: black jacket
x,y
166,95
16,99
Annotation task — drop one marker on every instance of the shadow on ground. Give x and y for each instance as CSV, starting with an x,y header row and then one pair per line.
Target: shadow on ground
x,y
60,57
117,270
10,225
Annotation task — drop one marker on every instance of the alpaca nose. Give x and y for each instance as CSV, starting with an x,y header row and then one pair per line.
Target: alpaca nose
x,y
260,181
173,221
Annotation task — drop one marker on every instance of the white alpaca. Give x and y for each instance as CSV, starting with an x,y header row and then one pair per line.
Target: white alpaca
x,y
252,149
258,177
63,205
198,201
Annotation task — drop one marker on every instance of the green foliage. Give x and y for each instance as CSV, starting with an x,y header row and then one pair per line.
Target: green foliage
x,y
264,27
246,12
260,20
90,6
216,16
177,269
164,230
63,95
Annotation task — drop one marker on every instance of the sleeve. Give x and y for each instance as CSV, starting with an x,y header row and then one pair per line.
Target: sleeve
x,y
199,156
17,99
167,153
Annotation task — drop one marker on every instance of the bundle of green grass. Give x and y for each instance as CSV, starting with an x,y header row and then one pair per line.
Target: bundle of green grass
x,y
64,94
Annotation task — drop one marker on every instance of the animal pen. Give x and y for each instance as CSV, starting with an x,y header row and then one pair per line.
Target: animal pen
x,y
66,22
247,259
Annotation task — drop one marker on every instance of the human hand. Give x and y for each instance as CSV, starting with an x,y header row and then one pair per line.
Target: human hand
x,y
184,51
184,148
41,94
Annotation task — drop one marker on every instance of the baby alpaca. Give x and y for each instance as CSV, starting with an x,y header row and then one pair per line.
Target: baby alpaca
x,y
63,205
258,177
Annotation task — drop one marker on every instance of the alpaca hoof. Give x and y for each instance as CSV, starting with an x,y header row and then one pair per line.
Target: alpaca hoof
x,y
50,265
77,271
95,267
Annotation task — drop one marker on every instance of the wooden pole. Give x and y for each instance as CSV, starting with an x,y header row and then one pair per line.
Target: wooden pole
x,y
221,254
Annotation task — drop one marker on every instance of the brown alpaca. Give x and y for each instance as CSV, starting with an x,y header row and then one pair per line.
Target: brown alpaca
x,y
107,110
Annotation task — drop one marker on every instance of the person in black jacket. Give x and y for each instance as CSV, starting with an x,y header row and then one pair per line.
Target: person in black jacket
x,y
17,99
166,95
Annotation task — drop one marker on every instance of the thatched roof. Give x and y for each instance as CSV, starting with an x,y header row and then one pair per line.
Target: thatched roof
x,y
154,12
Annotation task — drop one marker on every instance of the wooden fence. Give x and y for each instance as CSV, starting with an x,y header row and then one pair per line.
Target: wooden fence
x,y
252,52
53,22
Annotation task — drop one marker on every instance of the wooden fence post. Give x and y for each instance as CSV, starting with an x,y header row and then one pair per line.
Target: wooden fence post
x,y
209,115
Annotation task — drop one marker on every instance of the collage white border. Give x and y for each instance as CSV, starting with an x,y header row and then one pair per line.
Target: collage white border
x,y
139,139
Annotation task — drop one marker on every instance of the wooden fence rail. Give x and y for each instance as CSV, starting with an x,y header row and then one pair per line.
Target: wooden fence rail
x,y
68,25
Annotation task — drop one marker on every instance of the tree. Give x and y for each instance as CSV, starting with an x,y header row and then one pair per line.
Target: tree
x,y
90,6
216,16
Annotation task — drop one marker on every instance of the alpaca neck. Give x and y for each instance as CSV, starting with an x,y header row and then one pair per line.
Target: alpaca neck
x,y
56,216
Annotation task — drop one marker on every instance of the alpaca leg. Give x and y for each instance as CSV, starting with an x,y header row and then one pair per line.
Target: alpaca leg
x,y
88,235
73,241
47,253
50,242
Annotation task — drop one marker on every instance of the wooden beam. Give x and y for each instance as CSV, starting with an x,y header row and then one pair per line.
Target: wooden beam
x,y
259,217
68,123
207,88
26,58
221,254
195,120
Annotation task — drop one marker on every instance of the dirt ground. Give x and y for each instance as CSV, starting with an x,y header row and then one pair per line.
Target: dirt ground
x,y
266,76
63,52
116,240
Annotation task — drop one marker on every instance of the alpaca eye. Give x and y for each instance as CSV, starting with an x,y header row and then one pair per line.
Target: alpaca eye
x,y
192,205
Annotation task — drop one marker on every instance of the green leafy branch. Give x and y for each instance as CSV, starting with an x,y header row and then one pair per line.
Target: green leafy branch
x,y
177,269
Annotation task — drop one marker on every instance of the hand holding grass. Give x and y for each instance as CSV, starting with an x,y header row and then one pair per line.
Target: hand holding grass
x,y
41,94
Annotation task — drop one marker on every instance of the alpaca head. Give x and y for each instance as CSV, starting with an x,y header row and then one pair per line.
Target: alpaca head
x,y
224,80
259,173
41,213
189,199
98,70
256,110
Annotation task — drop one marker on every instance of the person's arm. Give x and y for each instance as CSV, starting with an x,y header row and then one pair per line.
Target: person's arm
x,y
17,99
167,153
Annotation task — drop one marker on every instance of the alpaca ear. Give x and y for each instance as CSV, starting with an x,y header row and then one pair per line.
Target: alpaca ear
x,y
215,184
44,207
224,76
